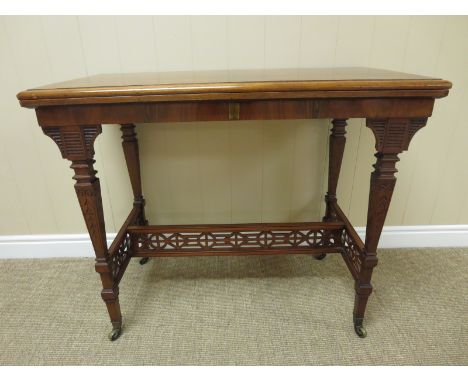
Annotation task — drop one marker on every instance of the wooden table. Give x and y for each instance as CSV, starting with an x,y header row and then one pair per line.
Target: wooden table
x,y
395,105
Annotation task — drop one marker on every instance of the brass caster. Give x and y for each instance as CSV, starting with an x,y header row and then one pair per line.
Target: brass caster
x,y
114,334
360,331
320,257
144,260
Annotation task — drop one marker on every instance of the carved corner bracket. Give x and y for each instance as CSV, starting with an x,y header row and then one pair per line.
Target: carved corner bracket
x,y
393,135
74,142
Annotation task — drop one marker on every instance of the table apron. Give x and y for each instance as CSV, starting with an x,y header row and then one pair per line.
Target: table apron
x,y
120,113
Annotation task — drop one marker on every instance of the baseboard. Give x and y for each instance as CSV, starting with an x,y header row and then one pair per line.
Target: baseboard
x,y
421,236
42,246
79,245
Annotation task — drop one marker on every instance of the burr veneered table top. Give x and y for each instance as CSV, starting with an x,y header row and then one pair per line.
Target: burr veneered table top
x,y
235,84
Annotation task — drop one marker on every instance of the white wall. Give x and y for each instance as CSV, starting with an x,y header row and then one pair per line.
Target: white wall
x,y
233,171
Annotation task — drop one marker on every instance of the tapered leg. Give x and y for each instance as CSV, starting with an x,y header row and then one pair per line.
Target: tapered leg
x,y
392,137
76,144
381,189
132,157
336,150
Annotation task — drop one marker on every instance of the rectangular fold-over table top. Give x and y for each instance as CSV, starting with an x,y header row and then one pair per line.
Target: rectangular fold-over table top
x,y
235,84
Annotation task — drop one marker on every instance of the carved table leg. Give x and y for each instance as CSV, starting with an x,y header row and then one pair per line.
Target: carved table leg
x,y
132,158
76,145
392,137
336,150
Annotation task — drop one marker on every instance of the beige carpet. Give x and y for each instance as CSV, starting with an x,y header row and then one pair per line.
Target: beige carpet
x,y
275,310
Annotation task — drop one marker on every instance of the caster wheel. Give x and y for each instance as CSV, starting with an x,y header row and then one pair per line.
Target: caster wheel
x,y
360,331
144,260
114,334
321,256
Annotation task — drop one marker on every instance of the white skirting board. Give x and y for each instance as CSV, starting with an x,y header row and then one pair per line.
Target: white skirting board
x,y
79,245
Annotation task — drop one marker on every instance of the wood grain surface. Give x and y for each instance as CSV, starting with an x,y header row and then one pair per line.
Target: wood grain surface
x,y
237,84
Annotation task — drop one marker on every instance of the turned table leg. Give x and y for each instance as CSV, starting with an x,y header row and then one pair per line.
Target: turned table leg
x,y
392,137
336,150
76,145
132,158
381,189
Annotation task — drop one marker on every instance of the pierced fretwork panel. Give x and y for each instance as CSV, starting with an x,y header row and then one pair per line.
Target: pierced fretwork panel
x,y
122,254
351,252
227,241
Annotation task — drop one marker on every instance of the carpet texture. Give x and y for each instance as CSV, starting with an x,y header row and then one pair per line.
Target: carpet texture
x,y
271,310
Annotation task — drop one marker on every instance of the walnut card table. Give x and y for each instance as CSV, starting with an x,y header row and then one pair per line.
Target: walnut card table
x,y
395,106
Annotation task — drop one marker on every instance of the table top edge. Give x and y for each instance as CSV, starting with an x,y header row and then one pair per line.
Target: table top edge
x,y
347,87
